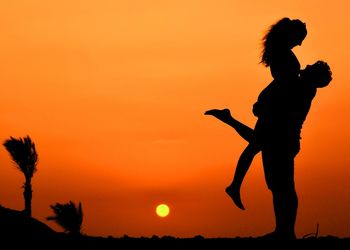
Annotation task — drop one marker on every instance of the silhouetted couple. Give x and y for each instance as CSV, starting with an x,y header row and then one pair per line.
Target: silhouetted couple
x,y
281,109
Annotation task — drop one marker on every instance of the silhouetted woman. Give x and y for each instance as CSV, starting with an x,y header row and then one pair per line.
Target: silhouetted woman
x,y
271,128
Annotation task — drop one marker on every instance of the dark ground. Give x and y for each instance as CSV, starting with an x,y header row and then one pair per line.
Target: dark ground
x,y
21,232
168,242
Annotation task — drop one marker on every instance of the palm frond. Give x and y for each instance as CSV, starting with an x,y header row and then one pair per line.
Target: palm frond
x,y
23,153
68,216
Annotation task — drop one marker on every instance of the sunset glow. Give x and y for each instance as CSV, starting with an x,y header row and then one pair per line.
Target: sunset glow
x,y
113,94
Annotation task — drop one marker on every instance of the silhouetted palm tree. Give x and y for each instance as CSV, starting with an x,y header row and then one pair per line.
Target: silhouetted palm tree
x,y
68,216
23,153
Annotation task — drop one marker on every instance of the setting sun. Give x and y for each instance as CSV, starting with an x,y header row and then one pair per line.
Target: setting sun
x,y
162,210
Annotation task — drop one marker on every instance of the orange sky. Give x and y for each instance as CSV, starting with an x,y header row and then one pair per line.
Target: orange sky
x,y
113,94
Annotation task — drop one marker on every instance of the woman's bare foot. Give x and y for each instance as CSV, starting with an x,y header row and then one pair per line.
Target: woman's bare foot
x,y
235,196
221,114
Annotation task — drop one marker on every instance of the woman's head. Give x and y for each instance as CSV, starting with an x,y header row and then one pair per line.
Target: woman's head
x,y
297,33
285,34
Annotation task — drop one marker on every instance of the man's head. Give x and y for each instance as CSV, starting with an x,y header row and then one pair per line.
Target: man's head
x,y
319,74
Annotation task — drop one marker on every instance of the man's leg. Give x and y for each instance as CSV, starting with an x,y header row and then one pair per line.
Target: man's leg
x,y
279,175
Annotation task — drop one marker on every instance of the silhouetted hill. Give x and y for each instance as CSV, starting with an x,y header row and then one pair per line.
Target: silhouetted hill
x,y
15,225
